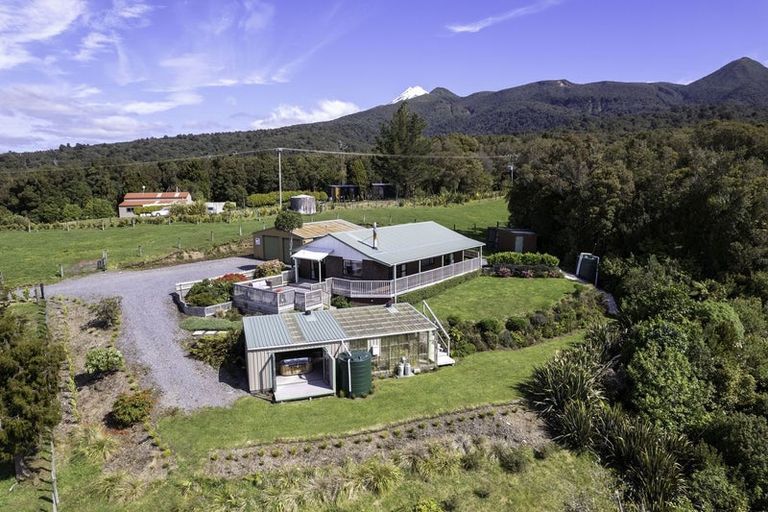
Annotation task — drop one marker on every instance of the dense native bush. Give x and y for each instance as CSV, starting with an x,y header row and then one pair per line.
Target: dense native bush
x,y
101,361
530,259
130,409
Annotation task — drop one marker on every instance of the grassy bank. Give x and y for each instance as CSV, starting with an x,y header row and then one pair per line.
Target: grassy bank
x,y
27,258
495,297
478,379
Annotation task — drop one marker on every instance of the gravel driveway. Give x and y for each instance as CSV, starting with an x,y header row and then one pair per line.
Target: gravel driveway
x,y
150,332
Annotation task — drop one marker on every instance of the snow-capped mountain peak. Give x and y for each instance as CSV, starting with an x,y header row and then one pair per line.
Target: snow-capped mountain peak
x,y
410,93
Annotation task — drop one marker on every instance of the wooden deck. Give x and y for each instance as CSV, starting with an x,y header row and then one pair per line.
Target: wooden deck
x,y
301,387
384,289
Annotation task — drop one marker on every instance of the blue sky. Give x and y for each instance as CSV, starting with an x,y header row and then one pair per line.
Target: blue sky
x,y
110,70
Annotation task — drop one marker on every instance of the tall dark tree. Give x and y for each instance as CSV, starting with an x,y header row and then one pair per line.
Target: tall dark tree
x,y
29,366
288,221
403,135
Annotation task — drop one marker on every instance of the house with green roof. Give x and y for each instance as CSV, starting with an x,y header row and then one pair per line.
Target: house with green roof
x,y
376,265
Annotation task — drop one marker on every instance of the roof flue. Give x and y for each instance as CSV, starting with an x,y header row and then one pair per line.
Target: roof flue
x,y
375,237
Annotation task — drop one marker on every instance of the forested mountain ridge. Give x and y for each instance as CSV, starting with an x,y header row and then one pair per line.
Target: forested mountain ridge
x,y
737,90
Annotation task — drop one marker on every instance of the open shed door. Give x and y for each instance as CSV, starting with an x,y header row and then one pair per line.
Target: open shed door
x,y
329,369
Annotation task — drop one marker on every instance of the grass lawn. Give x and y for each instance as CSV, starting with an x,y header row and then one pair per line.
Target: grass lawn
x,y
27,258
194,323
481,378
500,298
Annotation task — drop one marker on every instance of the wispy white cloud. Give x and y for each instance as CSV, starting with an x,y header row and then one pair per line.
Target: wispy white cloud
x,y
23,22
94,43
171,102
286,115
519,12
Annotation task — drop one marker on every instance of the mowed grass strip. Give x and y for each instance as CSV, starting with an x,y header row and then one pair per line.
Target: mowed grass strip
x,y
27,258
482,378
499,298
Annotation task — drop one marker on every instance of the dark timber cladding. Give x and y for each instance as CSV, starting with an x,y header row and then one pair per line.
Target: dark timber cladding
x,y
389,333
274,244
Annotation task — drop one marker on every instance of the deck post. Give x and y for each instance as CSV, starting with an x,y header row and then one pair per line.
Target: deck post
x,y
295,270
394,284
319,272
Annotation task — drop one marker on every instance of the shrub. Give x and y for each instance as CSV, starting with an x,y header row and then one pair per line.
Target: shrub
x,y
341,302
516,324
106,313
545,451
209,292
523,258
489,325
268,268
217,350
101,361
514,460
427,505
130,409
379,477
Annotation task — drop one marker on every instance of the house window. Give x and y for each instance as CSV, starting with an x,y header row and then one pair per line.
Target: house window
x,y
449,259
429,261
353,268
401,270
374,346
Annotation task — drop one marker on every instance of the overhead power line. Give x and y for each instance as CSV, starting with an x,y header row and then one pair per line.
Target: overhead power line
x,y
429,156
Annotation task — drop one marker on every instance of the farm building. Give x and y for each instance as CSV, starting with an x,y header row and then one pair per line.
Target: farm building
x,y
343,192
376,265
511,239
213,208
133,200
304,204
274,244
293,356
383,191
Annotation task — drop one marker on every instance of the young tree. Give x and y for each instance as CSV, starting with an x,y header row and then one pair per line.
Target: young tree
x,y
29,366
403,135
288,221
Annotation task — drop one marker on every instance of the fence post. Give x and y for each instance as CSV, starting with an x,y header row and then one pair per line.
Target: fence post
x,y
2,279
141,251
211,236
241,231
61,270
54,482
178,244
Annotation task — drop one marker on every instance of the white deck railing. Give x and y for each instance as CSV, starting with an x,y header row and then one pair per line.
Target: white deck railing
x,y
364,289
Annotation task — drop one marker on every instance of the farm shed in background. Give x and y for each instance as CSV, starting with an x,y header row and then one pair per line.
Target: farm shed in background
x,y
133,200
511,239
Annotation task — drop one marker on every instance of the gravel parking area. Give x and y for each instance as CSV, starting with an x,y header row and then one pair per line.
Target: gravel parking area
x,y
150,332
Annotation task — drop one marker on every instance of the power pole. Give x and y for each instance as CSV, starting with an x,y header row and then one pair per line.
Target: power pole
x,y
280,175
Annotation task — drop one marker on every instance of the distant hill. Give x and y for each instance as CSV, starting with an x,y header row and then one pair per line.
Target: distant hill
x,y
737,90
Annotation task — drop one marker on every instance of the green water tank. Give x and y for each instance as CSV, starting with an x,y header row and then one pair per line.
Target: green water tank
x,y
354,373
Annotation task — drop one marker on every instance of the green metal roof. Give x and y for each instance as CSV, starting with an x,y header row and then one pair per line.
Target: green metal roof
x,y
402,243
276,331
266,331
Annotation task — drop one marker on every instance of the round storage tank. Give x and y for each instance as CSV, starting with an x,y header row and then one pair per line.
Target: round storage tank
x,y
354,373
304,204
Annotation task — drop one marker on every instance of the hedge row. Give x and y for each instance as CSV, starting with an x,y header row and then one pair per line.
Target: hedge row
x,y
523,258
273,198
417,296
575,311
